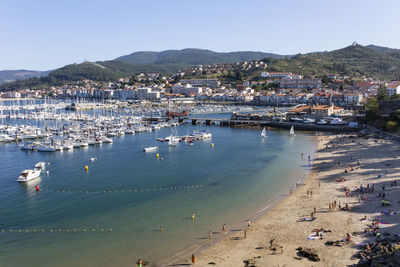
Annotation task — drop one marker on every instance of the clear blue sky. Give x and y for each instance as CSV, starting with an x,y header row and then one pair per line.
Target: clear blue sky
x,y
47,34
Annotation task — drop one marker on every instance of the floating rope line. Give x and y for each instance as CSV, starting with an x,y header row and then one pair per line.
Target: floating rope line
x,y
141,190
57,230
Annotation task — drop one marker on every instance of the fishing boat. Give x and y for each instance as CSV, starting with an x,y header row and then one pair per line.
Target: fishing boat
x,y
28,175
291,132
150,149
264,133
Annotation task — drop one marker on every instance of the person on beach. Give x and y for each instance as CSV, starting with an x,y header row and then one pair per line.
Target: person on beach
x,y
310,193
193,259
193,215
224,228
248,223
271,243
161,229
140,263
315,210
210,234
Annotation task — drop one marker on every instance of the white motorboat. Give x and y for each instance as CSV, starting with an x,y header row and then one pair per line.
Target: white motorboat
x,y
67,146
150,149
322,122
291,132
40,165
106,140
264,133
5,138
28,175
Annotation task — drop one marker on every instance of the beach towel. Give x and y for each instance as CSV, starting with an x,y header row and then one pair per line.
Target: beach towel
x,y
305,219
313,237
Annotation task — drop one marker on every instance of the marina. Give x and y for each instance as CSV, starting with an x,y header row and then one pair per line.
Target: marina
x,y
119,187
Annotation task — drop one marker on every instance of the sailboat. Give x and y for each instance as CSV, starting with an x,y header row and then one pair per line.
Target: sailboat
x,y
291,132
264,133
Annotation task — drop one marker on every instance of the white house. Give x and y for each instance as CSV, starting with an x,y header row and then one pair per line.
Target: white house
x,y
393,88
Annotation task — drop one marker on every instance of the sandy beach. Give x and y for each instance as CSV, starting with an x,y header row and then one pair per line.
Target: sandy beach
x,y
360,161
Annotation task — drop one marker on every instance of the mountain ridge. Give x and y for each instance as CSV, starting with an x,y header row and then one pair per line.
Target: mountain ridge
x,y
355,60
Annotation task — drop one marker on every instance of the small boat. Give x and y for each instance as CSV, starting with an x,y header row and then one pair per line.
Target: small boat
x,y
93,159
46,148
150,149
338,121
308,120
264,133
29,146
171,142
291,132
322,122
28,175
40,165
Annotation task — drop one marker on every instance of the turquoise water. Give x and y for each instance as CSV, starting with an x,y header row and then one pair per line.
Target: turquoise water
x,y
228,183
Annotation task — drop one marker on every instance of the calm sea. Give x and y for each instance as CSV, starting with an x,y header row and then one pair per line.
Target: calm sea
x,y
112,214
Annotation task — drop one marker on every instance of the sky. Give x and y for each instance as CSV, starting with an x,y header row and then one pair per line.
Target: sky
x,y
48,34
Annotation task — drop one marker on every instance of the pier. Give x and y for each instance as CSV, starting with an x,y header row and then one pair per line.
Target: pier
x,y
262,123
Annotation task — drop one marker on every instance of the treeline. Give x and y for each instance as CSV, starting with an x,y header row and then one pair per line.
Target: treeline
x,y
353,61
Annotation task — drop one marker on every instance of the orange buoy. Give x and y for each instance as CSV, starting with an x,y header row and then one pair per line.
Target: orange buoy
x,y
37,188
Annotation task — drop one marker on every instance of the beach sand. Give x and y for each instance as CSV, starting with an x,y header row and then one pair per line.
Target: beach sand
x,y
282,221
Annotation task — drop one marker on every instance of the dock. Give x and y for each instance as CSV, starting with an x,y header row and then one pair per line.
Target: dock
x,y
262,123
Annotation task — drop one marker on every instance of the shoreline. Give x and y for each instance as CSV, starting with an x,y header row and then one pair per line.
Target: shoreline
x,y
198,249
281,222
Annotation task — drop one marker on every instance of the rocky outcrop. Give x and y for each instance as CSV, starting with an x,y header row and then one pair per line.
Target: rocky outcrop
x,y
308,253
384,252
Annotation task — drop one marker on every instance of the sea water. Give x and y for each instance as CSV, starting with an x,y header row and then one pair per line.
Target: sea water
x,y
112,214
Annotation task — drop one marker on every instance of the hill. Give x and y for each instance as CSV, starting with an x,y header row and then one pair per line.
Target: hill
x,y
390,51
354,61
14,75
190,57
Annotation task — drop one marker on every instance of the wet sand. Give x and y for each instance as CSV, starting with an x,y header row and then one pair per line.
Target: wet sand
x,y
367,158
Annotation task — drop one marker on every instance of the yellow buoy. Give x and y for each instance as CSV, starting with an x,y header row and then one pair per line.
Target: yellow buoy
x,y
158,156
212,144
86,168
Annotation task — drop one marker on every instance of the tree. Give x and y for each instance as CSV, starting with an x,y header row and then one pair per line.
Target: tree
x,y
372,109
239,75
382,94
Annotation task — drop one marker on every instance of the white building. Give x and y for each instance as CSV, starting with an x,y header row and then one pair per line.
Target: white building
x,y
393,88
186,89
147,93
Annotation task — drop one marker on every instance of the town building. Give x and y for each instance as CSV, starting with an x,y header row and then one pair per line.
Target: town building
x,y
393,88
213,83
186,89
300,83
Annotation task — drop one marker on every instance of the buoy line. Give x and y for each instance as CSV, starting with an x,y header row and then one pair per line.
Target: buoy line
x,y
57,230
141,190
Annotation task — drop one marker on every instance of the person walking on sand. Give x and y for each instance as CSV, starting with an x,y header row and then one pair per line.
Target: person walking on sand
x,y
210,234
224,228
193,259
